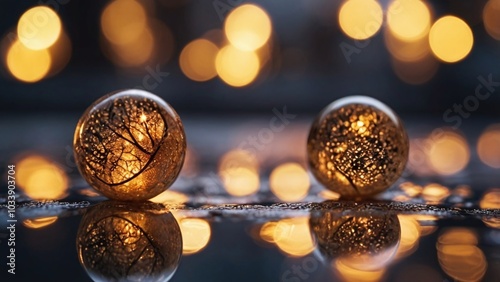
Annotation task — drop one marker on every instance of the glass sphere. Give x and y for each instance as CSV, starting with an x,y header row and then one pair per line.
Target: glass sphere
x,y
357,147
123,241
130,145
361,239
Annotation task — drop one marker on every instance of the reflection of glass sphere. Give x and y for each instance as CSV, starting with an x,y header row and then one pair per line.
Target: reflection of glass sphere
x,y
357,147
119,241
130,145
362,239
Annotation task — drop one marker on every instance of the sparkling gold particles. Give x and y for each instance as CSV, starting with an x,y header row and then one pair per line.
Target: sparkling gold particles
x,y
120,241
130,145
357,147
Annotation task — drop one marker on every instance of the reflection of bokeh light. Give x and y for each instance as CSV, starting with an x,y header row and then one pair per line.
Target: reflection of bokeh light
x,y
410,233
289,182
459,256
267,231
123,21
350,274
491,18
239,172
28,65
236,67
411,189
451,39
248,27
448,153
329,195
197,60
408,19
434,193
38,223
196,234
491,199
38,28
488,146
360,19
293,237
41,179
170,197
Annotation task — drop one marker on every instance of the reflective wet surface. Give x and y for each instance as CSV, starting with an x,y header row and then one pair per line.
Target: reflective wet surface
x,y
258,215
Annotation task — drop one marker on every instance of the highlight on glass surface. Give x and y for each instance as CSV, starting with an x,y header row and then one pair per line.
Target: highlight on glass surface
x,y
40,178
130,145
129,241
41,222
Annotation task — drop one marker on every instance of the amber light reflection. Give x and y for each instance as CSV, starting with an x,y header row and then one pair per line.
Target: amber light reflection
x,y
293,237
459,255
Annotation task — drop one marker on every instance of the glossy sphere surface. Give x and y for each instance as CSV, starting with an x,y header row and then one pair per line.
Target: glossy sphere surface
x,y
130,145
357,147
362,239
123,241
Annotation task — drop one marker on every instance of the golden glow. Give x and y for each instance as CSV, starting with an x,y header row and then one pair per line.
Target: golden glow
x,y
448,153
450,39
408,20
236,67
407,51
38,28
123,21
411,189
196,234
41,179
239,172
289,182
329,195
435,193
134,53
459,255
360,19
410,234
28,65
38,223
350,274
491,18
197,60
488,147
60,54
491,199
248,27
293,237
170,197
267,231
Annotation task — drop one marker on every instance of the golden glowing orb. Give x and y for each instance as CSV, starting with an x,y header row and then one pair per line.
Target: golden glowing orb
x,y
236,67
248,27
360,19
488,147
197,60
357,147
38,28
451,39
289,182
124,155
119,241
123,21
28,65
408,20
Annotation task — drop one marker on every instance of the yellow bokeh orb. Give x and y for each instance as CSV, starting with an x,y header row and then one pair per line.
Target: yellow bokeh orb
x,y
123,21
38,28
248,27
27,65
197,60
491,18
450,39
408,20
360,19
289,182
236,67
